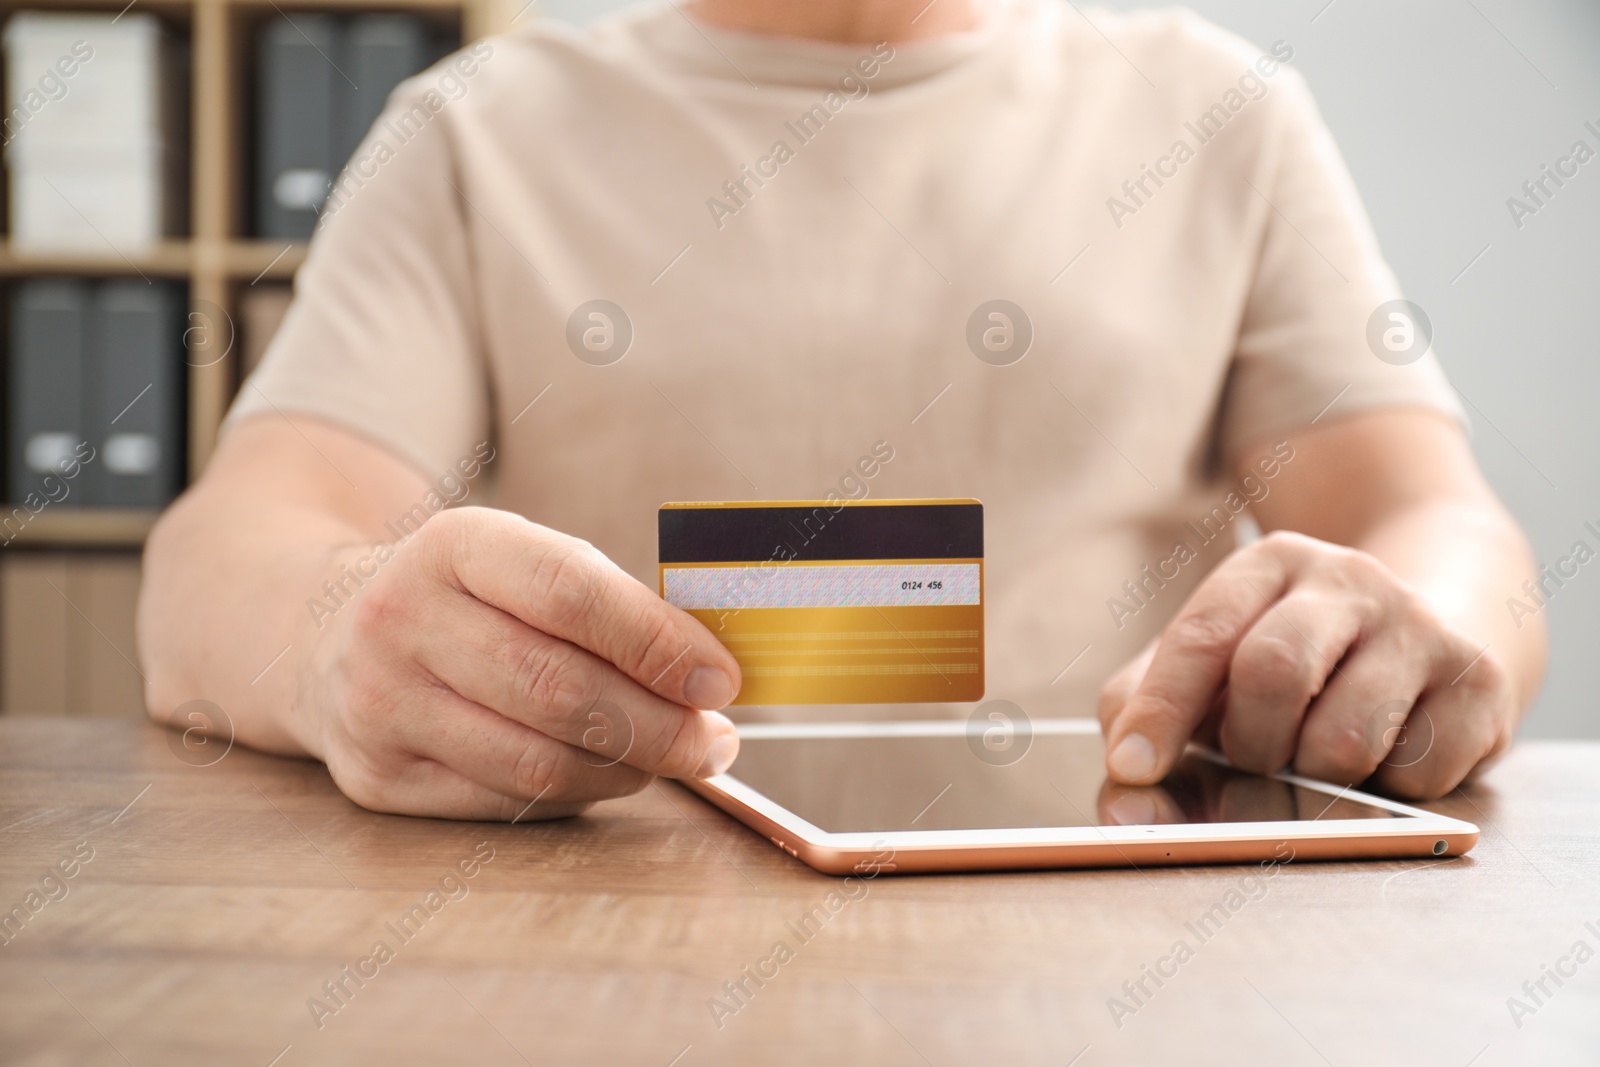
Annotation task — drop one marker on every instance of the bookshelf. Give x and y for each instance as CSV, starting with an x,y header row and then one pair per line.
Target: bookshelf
x,y
69,581
215,256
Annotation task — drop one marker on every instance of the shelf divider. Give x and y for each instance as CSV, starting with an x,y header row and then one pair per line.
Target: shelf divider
x,y
85,527
216,261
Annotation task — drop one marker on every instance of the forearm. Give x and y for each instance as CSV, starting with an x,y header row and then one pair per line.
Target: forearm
x,y
232,569
302,586
1466,557
223,613
1402,485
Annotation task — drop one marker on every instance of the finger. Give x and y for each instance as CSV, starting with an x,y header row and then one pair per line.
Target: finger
x,y
427,788
570,590
1209,732
1453,729
1122,685
1191,661
1281,665
570,694
1354,724
510,759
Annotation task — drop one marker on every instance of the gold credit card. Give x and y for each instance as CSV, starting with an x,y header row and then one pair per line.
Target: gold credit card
x,y
835,601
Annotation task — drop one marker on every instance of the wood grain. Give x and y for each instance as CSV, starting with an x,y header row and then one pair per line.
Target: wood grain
x,y
220,898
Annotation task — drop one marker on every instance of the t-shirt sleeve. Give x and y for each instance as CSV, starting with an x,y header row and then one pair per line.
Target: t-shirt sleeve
x,y
382,335
1314,319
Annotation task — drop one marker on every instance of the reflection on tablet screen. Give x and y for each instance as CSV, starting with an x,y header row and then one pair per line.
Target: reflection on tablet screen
x,y
867,784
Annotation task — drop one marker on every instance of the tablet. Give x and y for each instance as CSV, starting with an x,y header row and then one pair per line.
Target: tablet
x,y
886,797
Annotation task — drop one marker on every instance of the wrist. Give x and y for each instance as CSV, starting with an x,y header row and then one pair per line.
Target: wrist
x,y
340,574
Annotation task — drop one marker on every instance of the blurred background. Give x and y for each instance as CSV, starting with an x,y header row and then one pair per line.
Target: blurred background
x,y
159,190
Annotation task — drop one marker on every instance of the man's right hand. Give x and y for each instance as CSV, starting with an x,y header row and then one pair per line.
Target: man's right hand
x,y
496,669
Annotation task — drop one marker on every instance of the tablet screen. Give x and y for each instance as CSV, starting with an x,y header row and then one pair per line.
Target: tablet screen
x,y
869,784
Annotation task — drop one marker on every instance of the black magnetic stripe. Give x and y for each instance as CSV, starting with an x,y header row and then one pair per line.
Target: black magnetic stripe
x,y
757,534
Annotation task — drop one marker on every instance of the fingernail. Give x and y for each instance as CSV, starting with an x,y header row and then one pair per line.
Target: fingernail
x,y
719,757
707,688
1133,809
1134,758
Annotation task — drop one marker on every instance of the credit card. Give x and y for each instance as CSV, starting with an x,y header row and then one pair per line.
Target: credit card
x,y
835,602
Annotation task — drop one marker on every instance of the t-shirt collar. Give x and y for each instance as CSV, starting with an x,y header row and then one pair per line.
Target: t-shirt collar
x,y
695,48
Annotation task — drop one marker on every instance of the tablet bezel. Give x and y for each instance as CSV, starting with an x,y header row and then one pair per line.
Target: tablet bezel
x,y
1423,834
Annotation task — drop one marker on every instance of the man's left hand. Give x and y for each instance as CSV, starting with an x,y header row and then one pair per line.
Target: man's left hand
x,y
1297,652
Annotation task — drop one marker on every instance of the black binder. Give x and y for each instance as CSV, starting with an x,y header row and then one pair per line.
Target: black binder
x,y
298,85
321,83
45,391
384,51
134,396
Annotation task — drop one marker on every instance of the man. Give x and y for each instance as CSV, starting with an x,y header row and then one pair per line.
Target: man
x,y
1108,276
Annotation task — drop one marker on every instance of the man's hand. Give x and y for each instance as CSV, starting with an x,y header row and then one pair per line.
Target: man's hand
x,y
1296,652
494,668
487,668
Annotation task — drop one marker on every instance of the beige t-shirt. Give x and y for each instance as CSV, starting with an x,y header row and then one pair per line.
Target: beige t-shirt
x,y
804,239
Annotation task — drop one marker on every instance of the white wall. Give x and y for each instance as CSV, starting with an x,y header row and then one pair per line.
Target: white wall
x,y
1444,108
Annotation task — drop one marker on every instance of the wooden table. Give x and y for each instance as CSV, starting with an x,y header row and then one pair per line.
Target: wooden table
x,y
220,899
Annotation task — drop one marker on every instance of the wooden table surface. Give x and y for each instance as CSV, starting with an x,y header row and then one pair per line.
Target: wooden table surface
x,y
218,900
